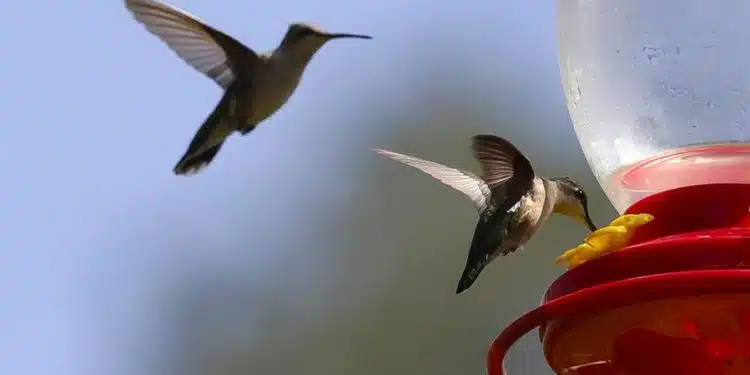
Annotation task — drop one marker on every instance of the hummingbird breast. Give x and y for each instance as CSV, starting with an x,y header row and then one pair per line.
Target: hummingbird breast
x,y
534,208
272,86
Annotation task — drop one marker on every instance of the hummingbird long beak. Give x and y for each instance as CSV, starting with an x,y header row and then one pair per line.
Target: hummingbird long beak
x,y
587,218
341,35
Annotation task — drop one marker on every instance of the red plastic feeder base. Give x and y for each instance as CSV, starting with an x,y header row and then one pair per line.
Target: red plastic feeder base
x,y
675,302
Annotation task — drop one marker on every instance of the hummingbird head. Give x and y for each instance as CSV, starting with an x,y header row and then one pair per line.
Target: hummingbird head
x,y
302,40
572,201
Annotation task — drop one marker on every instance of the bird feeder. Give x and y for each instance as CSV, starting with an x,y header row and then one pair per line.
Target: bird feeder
x,y
659,95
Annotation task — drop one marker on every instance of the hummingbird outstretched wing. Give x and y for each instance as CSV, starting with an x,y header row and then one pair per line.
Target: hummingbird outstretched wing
x,y
507,172
463,181
208,50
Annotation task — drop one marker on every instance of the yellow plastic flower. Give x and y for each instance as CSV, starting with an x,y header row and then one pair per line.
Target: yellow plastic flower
x,y
613,237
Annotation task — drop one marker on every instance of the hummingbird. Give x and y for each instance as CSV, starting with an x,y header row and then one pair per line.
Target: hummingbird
x,y
513,202
255,85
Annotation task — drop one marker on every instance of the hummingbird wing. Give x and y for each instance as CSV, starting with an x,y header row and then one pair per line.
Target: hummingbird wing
x,y
463,181
206,49
507,172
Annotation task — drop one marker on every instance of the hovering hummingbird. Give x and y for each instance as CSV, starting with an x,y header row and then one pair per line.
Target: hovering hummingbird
x,y
255,85
512,201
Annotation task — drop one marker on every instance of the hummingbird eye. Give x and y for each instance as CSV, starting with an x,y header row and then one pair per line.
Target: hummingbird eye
x,y
579,194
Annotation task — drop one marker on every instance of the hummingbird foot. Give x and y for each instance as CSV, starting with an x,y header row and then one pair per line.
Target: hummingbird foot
x,y
605,240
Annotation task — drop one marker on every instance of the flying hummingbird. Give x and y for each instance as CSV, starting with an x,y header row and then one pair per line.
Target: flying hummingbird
x,y
255,85
512,201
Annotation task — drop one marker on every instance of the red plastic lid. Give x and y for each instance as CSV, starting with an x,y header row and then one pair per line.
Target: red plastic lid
x,y
689,222
698,244
616,294
642,351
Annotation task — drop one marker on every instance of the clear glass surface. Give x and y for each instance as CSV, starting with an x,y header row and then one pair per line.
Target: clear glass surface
x,y
658,91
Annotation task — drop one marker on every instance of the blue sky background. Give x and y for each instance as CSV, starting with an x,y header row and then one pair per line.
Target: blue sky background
x,y
101,239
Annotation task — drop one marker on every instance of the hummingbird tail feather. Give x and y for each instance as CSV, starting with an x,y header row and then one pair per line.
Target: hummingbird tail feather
x,y
470,275
486,245
193,163
478,258
208,139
